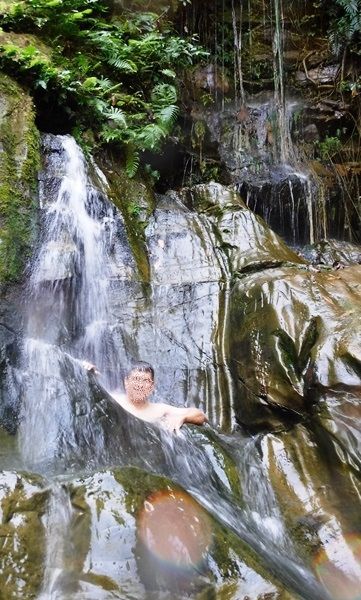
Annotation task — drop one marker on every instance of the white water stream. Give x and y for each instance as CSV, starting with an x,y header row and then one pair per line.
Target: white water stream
x,y
68,319
69,316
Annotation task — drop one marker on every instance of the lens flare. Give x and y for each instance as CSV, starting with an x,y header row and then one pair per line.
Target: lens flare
x,y
174,528
339,568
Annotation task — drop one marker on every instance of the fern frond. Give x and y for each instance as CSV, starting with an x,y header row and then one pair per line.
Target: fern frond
x,y
99,105
104,84
109,134
169,73
152,135
167,116
132,160
116,115
164,94
121,64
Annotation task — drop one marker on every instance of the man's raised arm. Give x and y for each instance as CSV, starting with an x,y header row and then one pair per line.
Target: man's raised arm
x,y
175,417
195,416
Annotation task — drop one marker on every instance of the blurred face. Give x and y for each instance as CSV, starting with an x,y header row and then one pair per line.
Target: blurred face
x,y
138,386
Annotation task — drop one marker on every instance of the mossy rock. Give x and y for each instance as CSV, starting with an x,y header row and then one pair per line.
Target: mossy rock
x,y
23,501
110,508
23,40
136,202
19,163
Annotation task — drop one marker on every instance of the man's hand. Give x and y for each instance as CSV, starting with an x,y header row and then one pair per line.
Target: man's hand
x,y
175,417
173,422
90,367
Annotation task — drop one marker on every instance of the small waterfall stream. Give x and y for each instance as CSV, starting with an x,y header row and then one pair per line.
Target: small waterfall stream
x,y
68,310
77,223
57,523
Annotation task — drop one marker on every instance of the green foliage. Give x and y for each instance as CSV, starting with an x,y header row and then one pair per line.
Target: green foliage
x,y
132,160
329,147
345,23
134,209
117,78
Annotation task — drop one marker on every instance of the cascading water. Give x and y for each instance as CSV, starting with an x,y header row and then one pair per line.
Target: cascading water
x,y
68,312
259,523
279,87
57,524
282,189
237,37
79,221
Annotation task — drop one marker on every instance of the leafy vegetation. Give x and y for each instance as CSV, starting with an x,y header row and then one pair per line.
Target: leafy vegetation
x,y
345,23
330,146
115,77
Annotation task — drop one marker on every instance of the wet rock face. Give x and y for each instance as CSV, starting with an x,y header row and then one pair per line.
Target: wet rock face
x,y
195,243
210,79
122,527
299,462
333,254
292,166
11,325
22,504
240,235
265,166
300,328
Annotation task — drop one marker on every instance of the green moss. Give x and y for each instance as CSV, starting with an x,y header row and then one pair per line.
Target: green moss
x,y
139,486
136,202
22,548
19,163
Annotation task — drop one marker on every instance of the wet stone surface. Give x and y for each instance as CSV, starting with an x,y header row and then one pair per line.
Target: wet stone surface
x,y
23,502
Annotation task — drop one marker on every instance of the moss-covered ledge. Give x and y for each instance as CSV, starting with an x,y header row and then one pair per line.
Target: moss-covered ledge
x,y
19,164
136,201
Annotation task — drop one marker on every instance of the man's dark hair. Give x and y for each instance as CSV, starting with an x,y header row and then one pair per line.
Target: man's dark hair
x,y
144,367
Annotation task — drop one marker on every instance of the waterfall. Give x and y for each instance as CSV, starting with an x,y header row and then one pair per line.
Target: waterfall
x,y
57,523
279,87
79,221
237,41
68,308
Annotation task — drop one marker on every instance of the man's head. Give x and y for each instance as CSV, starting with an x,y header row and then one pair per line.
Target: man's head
x,y
139,382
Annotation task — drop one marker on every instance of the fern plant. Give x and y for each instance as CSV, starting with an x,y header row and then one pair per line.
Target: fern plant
x,y
345,23
115,78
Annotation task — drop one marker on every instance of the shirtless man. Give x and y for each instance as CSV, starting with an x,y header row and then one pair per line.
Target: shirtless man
x,y
139,385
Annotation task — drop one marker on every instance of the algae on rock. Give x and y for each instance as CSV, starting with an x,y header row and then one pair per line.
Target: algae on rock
x,y
111,554
22,503
19,163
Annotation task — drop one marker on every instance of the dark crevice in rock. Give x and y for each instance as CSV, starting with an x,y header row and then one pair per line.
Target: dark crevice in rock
x,y
260,267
